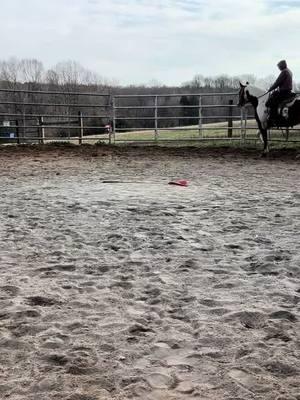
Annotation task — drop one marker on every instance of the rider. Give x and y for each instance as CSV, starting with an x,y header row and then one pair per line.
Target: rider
x,y
284,86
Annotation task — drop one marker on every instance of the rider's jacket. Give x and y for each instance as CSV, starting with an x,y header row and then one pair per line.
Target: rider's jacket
x,y
284,81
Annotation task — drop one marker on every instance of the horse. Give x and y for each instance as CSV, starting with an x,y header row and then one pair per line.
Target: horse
x,y
288,112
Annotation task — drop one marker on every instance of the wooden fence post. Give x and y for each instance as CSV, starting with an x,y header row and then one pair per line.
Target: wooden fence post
x,y
156,118
42,130
81,127
114,120
230,109
200,130
17,131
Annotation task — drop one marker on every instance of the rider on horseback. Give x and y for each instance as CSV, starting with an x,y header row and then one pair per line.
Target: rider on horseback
x,y
284,84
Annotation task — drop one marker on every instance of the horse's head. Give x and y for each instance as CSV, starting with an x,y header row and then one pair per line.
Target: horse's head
x,y
243,95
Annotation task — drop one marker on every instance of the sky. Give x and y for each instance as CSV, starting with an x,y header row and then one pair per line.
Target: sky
x,y
165,41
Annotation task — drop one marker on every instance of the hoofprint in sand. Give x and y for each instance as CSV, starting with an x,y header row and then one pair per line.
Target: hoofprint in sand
x,y
142,290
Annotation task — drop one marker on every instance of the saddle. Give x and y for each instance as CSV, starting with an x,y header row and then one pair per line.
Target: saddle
x,y
283,107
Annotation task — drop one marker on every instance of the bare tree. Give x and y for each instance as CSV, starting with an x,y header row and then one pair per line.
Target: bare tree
x,y
266,82
32,71
10,76
222,82
248,78
52,78
10,71
208,82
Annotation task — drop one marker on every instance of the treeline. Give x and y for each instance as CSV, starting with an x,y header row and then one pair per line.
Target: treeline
x,y
70,76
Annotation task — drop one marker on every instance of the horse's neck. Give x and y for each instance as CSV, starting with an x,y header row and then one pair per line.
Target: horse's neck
x,y
261,110
262,100
259,101
255,96
255,91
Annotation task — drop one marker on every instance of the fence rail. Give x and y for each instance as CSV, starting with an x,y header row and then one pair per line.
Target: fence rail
x,y
145,118
59,93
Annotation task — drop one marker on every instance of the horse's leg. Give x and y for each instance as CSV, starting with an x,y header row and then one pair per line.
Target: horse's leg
x,y
264,133
263,125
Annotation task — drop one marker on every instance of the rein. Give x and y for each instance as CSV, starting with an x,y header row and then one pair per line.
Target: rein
x,y
262,95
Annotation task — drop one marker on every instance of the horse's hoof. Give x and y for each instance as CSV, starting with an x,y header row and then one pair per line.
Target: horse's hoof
x,y
265,153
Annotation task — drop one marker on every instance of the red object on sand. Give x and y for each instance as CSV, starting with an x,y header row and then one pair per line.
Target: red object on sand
x,y
180,182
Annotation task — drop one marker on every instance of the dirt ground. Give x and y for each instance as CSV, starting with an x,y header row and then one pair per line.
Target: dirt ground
x,y
116,285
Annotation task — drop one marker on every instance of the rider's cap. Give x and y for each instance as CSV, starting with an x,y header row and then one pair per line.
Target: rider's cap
x,y
282,64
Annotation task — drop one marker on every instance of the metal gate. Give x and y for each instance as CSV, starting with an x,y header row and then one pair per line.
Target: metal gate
x,y
31,116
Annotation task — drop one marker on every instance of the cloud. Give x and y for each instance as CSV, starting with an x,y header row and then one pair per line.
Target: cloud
x,y
167,40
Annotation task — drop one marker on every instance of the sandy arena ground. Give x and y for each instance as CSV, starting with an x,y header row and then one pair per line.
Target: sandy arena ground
x,y
135,289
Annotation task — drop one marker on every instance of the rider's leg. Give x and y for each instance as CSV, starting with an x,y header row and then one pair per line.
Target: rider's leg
x,y
272,103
